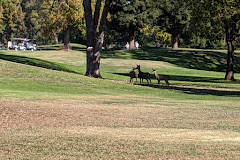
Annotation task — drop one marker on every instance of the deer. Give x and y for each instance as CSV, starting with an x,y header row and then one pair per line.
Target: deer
x,y
133,74
161,77
143,75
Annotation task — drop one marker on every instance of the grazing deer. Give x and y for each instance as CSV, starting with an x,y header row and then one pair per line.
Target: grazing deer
x,y
143,75
133,74
161,77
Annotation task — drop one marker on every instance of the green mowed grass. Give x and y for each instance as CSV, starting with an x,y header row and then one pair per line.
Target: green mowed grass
x,y
49,110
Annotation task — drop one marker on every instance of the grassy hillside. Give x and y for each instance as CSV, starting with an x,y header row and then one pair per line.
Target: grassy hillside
x,y
49,110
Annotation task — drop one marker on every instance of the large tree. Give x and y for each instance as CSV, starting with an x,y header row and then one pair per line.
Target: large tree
x,y
173,19
60,17
34,18
95,23
13,19
214,16
1,20
128,17
64,16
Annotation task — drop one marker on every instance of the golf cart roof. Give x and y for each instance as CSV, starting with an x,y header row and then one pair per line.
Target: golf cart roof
x,y
21,39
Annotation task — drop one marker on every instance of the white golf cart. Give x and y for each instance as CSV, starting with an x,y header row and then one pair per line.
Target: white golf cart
x,y
22,44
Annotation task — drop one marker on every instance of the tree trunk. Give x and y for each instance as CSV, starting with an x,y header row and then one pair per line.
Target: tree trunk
x,y
95,35
55,37
175,41
132,40
230,62
93,58
132,44
67,40
93,63
230,56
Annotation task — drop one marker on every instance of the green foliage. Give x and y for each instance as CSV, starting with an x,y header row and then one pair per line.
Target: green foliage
x,y
201,42
1,20
212,18
173,18
61,16
164,37
13,19
128,18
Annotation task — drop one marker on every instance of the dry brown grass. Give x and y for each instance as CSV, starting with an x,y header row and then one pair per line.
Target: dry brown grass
x,y
115,128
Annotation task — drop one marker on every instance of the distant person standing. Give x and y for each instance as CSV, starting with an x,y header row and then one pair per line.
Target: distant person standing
x,y
136,45
158,45
127,46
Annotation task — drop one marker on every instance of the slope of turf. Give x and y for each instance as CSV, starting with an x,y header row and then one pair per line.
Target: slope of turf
x,y
185,83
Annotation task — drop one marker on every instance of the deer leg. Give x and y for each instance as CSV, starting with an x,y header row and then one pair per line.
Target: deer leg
x,y
167,82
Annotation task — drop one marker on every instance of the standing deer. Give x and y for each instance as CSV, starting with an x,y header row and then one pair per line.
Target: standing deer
x,y
161,77
133,74
143,75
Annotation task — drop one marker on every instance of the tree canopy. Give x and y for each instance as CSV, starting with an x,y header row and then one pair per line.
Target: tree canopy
x,y
129,17
13,19
209,17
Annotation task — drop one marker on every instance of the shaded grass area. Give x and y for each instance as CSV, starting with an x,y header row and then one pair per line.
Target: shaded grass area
x,y
80,70
187,78
199,91
77,47
193,59
37,62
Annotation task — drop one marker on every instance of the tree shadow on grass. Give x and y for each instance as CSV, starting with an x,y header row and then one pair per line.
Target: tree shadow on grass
x,y
191,89
193,59
56,47
186,78
195,90
79,48
36,62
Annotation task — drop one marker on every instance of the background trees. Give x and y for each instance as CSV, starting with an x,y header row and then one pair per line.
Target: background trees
x,y
174,18
216,17
65,16
1,21
32,18
13,19
42,20
128,18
